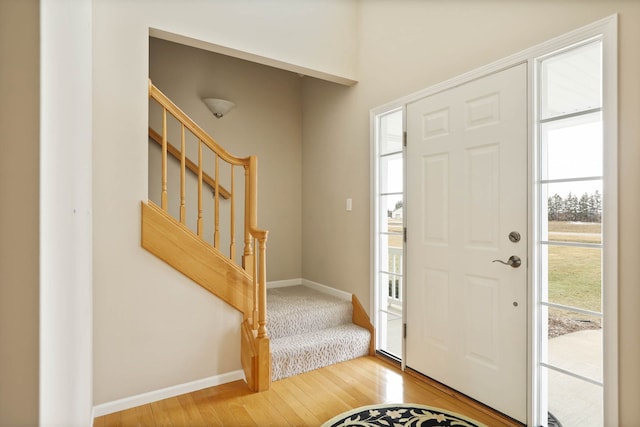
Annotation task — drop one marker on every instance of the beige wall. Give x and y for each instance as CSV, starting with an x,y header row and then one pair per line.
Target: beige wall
x,y
409,45
19,241
154,328
266,122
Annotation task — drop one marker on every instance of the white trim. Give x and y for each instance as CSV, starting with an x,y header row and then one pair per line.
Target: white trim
x,y
374,247
310,284
610,222
533,332
327,289
373,217
165,393
284,283
607,28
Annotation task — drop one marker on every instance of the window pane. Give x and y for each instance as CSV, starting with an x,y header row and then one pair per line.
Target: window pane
x,y
575,343
571,81
390,214
572,148
391,285
574,212
390,132
574,402
390,332
575,277
391,253
391,173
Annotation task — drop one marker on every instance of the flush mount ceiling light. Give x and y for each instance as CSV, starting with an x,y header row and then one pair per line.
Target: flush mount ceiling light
x,y
219,107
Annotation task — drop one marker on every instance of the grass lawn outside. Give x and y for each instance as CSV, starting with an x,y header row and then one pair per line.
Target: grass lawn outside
x,y
575,276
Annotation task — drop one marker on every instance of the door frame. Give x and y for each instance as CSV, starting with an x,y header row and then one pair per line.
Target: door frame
x,y
607,30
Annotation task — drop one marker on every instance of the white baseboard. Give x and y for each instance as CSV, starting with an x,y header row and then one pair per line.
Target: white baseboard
x,y
311,284
165,393
283,283
327,290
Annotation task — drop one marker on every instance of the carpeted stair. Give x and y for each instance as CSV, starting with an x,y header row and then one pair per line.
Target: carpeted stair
x,y
310,329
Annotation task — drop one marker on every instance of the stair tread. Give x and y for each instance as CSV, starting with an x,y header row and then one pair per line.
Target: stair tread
x,y
299,297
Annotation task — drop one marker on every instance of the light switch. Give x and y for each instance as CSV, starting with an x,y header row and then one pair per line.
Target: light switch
x,y
349,204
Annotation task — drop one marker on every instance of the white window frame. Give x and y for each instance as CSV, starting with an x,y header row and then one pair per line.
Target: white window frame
x,y
375,116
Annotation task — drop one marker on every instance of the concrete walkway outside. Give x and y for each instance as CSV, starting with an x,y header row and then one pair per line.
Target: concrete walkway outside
x,y
572,401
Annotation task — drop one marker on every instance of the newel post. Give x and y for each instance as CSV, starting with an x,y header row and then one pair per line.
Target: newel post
x,y
262,288
262,339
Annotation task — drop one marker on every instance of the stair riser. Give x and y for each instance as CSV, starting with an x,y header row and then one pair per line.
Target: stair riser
x,y
305,321
295,355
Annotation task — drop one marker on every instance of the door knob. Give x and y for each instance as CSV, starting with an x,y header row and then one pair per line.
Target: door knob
x,y
513,261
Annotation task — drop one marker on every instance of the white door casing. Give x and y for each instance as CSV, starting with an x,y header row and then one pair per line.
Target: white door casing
x,y
466,190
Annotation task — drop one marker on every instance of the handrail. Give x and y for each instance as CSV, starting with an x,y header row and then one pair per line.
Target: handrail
x,y
176,153
172,108
254,238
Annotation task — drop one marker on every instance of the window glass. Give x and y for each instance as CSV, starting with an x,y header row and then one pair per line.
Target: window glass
x,y
390,133
391,173
574,212
390,214
572,147
572,81
575,275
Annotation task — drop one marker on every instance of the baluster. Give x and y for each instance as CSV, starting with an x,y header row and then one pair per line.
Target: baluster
x,y
200,210
216,233
247,260
163,203
262,322
232,249
183,179
256,287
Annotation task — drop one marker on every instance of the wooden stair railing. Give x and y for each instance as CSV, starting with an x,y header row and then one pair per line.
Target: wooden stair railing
x,y
171,238
157,138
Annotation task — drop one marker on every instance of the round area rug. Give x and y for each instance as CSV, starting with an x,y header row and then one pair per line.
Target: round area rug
x,y
401,415
552,421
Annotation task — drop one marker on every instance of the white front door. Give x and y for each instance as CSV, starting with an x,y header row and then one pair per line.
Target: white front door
x,y
466,205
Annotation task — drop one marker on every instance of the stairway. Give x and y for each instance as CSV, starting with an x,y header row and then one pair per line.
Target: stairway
x,y
232,267
310,329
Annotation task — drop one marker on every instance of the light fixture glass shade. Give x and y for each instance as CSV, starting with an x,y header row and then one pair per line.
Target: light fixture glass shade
x,y
219,107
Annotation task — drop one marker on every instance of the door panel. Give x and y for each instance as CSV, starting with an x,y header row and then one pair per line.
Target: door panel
x,y
466,191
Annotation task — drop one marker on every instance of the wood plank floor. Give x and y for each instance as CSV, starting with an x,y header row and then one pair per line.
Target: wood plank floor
x,y
305,400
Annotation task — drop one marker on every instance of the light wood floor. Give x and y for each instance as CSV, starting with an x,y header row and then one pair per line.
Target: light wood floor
x,y
304,400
